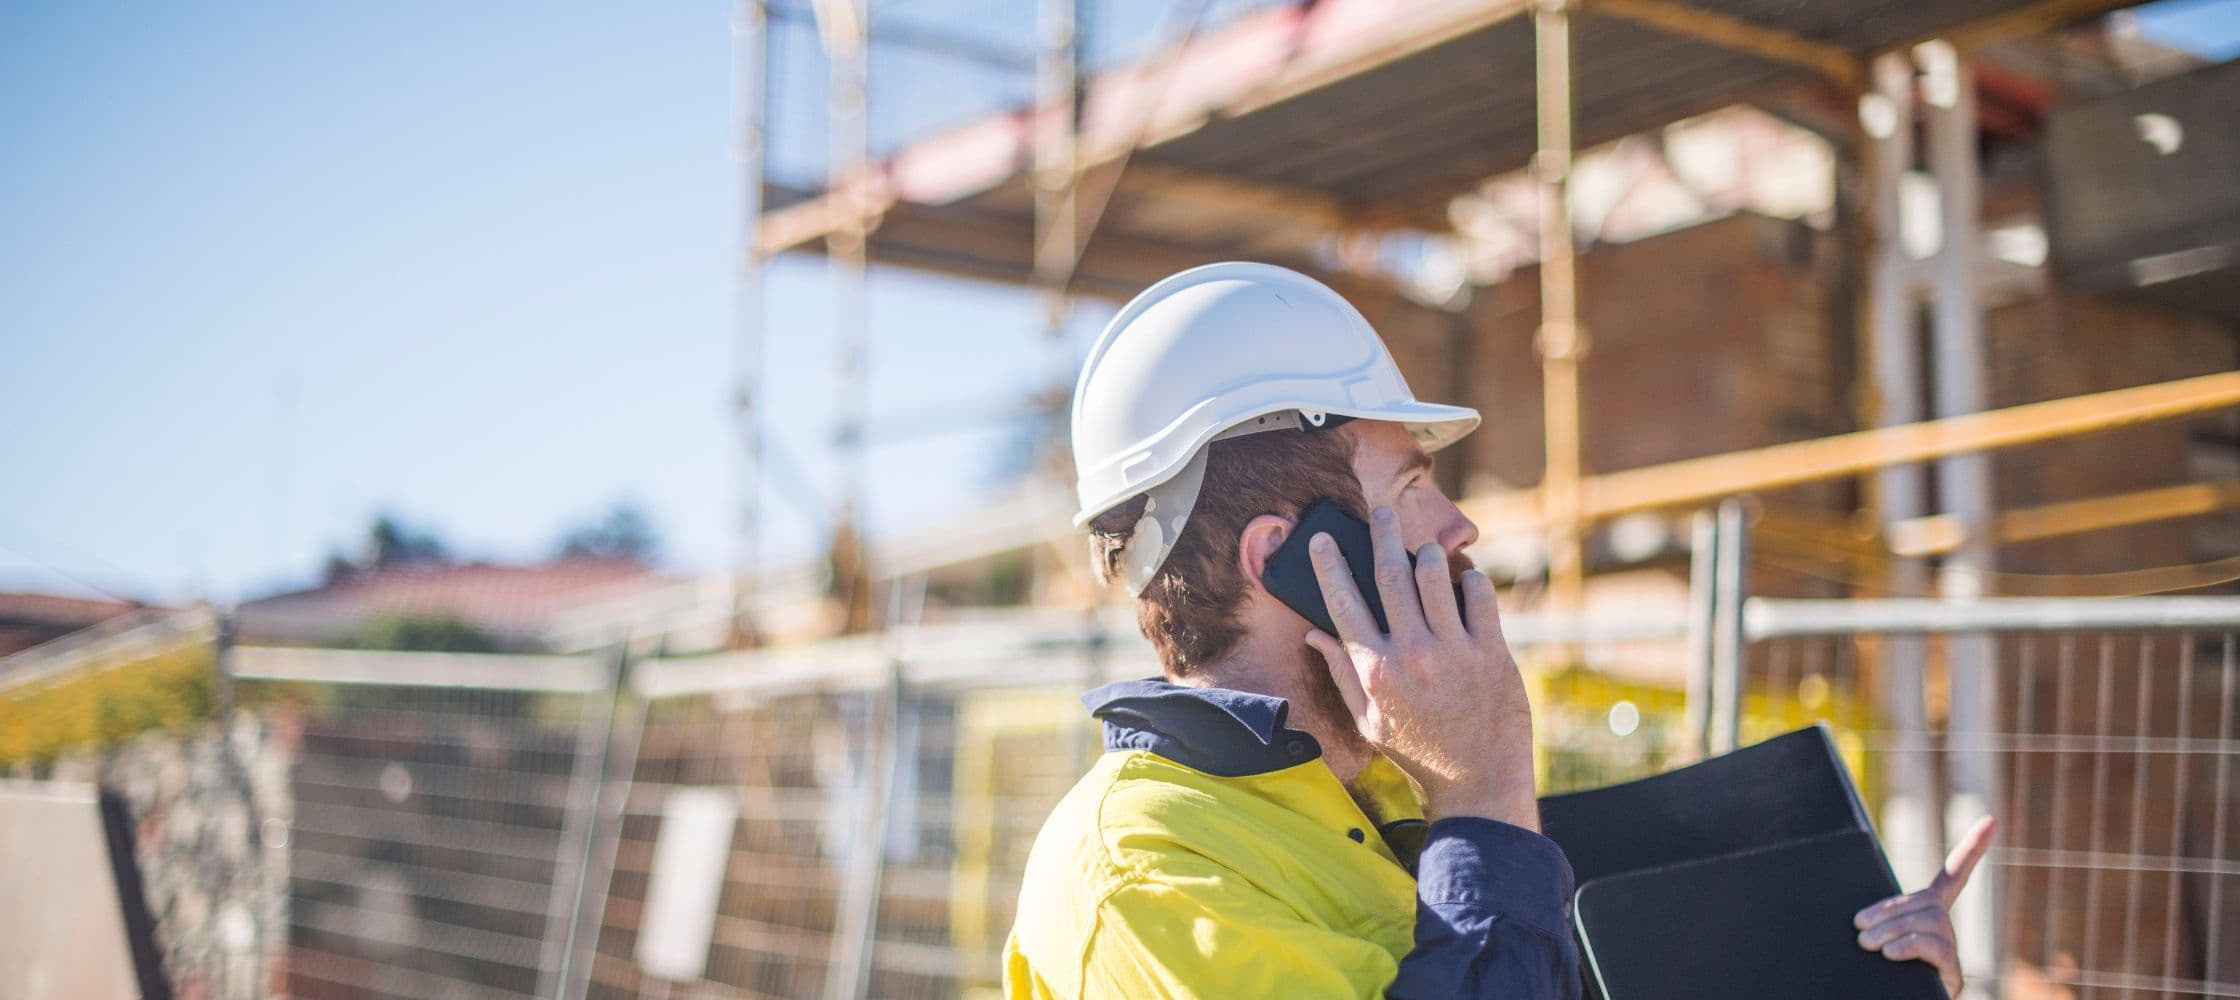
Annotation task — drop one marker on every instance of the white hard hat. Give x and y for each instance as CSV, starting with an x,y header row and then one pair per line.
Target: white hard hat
x,y
1217,351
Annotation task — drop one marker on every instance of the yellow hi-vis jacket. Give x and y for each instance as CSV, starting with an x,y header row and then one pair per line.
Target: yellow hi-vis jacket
x,y
1212,853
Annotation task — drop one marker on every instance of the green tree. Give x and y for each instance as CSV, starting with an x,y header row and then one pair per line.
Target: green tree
x,y
390,543
425,634
623,532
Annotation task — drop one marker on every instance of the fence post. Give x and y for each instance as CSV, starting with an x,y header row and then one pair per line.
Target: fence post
x,y
848,971
221,654
1094,647
618,764
1727,648
572,867
1703,563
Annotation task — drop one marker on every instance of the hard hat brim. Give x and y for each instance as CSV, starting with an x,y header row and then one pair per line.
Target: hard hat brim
x,y
1434,426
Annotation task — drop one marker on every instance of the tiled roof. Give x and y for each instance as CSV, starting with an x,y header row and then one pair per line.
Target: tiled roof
x,y
57,610
511,602
28,620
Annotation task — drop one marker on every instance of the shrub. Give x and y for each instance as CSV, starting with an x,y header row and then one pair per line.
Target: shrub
x,y
104,705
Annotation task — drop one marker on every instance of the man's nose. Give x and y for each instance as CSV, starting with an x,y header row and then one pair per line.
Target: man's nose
x,y
1460,532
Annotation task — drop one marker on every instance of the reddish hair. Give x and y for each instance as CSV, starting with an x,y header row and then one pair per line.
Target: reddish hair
x,y
1189,609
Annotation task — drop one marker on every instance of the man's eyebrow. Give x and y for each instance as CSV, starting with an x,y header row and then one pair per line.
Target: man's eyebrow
x,y
1420,460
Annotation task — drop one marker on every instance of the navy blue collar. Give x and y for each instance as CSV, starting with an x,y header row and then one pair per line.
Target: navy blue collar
x,y
1225,733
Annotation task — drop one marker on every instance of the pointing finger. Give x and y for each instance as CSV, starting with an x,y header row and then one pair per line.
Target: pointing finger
x,y
1962,862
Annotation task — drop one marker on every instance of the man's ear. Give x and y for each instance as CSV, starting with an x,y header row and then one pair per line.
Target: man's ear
x,y
1261,537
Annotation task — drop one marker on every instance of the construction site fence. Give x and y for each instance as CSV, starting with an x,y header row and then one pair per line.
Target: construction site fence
x,y
852,818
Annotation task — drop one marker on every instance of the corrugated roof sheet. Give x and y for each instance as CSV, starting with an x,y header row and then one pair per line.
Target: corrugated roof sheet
x,y
1377,109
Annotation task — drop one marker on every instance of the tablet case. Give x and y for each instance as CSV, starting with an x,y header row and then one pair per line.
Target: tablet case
x,y
1791,786
1745,868
1772,922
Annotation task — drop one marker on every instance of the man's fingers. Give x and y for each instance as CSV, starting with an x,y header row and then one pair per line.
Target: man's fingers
x,y
1928,948
1895,906
1479,612
1436,590
1962,862
1396,581
1930,920
1936,950
1342,670
1339,595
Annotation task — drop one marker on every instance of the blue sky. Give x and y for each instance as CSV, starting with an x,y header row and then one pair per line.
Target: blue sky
x,y
267,268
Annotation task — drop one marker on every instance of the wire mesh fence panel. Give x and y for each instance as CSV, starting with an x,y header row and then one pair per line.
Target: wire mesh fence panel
x,y
776,912
1604,709
2116,870
984,768
431,843
974,771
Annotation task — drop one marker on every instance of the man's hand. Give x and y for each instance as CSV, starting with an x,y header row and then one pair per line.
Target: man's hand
x,y
1919,924
1440,696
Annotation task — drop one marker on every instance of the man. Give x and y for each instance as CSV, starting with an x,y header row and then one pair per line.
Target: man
x,y
1291,813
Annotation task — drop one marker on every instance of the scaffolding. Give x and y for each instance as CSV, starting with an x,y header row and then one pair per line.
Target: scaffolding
x,y
1108,181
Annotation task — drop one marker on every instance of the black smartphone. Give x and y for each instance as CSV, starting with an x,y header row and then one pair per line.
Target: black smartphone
x,y
1289,573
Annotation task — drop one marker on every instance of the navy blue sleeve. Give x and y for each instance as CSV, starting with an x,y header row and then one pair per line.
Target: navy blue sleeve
x,y
1493,909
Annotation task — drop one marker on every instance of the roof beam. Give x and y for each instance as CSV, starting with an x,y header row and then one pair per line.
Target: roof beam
x,y
2030,19
1309,208
922,38
997,245
1738,35
1941,533
821,217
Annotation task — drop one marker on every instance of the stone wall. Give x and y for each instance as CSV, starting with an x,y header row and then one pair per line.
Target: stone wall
x,y
211,808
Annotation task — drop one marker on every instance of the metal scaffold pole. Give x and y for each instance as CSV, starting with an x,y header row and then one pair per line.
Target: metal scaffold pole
x,y
845,32
750,28
1057,244
1909,816
1058,237
1560,341
1964,485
